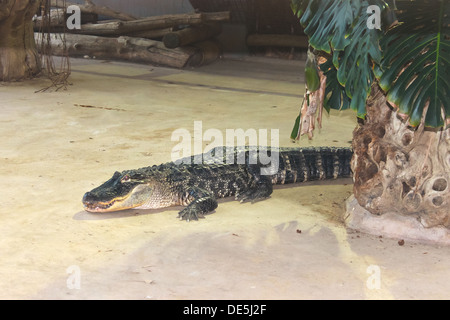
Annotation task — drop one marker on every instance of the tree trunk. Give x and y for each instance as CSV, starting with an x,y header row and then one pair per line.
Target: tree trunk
x,y
19,58
401,170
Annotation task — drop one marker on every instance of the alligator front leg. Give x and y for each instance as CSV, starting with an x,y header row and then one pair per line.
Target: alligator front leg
x,y
201,202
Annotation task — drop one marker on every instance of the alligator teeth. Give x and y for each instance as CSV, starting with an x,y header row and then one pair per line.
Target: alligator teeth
x,y
97,207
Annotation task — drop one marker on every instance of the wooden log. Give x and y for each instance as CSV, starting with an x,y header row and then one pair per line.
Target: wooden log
x,y
208,52
117,28
191,35
55,19
277,40
151,34
58,17
148,34
216,16
123,48
89,7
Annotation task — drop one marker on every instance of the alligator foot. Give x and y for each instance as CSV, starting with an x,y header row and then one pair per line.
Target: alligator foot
x,y
197,210
262,190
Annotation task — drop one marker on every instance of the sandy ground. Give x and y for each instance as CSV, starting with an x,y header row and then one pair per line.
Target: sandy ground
x,y
115,116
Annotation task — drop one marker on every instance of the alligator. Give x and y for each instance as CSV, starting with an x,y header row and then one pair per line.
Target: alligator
x,y
197,182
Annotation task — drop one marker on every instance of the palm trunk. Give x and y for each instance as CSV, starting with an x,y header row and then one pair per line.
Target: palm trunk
x,y
401,170
19,58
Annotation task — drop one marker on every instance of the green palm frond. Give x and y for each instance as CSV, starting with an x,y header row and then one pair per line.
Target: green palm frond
x,y
415,68
328,23
355,62
335,95
410,61
333,27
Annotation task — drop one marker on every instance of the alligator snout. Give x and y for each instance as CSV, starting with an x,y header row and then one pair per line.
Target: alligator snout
x,y
93,205
88,201
87,197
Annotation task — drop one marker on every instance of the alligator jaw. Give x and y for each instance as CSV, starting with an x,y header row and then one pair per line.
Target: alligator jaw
x,y
135,197
99,206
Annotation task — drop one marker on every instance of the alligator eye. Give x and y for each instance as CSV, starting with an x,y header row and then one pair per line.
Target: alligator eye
x,y
126,178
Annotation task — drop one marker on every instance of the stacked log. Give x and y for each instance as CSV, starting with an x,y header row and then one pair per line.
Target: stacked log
x,y
177,40
191,35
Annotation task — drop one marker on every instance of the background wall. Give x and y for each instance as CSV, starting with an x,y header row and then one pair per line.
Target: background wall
x,y
146,8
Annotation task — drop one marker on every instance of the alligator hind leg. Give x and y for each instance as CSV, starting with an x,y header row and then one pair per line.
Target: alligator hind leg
x,y
201,203
261,189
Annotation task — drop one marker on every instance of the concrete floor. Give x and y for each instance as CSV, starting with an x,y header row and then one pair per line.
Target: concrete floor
x,y
115,116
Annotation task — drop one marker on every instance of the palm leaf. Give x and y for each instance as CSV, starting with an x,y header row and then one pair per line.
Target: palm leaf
x,y
354,64
411,61
415,68
335,95
327,22
340,29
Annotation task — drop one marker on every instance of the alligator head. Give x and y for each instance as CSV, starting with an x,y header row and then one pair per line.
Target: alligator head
x,y
124,190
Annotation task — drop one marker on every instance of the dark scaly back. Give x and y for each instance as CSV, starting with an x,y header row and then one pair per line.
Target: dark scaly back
x,y
222,180
312,163
229,170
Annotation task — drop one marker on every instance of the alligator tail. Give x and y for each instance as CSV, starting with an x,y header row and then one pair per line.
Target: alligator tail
x,y
312,163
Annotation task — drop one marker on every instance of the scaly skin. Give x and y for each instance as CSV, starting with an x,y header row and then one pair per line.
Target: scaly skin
x,y
235,172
